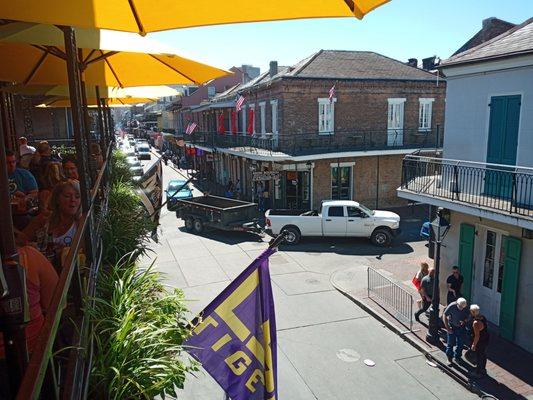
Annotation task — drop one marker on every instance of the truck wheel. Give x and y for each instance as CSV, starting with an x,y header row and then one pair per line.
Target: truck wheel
x,y
381,237
198,226
189,224
292,235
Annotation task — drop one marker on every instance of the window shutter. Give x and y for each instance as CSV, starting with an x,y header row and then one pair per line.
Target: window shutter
x,y
513,250
466,257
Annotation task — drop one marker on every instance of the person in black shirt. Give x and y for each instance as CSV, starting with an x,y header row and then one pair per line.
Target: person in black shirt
x,y
480,341
455,284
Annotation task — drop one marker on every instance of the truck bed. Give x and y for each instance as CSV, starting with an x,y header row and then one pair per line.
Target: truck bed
x,y
287,212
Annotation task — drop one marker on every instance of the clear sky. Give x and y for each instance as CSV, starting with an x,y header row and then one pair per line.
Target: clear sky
x,y
400,29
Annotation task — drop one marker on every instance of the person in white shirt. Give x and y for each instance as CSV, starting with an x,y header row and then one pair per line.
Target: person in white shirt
x,y
25,152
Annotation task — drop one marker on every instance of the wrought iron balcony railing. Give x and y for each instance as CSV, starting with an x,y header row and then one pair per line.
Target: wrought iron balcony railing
x,y
502,188
298,144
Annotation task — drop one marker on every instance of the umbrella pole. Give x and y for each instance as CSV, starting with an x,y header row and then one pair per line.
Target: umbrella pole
x,y
13,279
79,125
100,121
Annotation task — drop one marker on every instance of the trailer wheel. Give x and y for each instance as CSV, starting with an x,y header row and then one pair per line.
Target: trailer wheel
x,y
189,224
292,235
198,226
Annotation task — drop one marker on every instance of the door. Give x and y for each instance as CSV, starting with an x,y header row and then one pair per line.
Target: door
x,y
297,190
341,183
502,144
334,221
358,222
488,277
395,122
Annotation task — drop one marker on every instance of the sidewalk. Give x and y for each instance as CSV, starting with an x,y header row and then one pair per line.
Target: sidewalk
x,y
510,368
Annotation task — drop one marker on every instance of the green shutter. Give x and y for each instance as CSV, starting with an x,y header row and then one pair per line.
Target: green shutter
x,y
511,269
466,257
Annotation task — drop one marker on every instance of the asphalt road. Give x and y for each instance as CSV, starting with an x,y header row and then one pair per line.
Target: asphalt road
x,y
323,338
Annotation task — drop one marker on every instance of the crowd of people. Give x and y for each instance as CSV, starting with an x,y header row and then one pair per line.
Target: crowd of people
x,y
463,324
45,208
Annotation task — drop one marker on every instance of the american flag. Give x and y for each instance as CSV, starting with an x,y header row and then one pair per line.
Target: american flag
x,y
190,128
331,94
239,103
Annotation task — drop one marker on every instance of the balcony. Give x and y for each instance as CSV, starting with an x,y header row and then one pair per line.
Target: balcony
x,y
302,144
499,192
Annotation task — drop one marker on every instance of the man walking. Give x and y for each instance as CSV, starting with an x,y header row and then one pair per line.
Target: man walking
x,y
455,316
426,292
455,283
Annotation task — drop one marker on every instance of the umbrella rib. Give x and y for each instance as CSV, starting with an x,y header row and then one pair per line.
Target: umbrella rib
x,y
88,56
172,68
112,70
103,56
137,18
35,68
350,4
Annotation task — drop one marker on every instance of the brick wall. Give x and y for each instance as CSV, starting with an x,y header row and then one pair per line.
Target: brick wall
x,y
365,181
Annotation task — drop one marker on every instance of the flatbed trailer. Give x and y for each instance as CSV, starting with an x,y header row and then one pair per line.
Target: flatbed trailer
x,y
217,212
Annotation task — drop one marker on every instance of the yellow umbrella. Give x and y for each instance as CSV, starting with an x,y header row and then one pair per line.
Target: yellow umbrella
x,y
92,102
148,16
147,92
35,56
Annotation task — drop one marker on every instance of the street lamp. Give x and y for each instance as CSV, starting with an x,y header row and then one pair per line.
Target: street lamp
x,y
440,227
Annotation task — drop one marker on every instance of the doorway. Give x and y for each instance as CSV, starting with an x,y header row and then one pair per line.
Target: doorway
x,y
297,190
488,273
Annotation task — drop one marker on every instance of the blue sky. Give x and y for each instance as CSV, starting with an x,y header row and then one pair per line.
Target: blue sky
x,y
400,29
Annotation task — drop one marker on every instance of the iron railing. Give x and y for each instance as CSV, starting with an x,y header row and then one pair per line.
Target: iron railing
x,y
297,144
392,297
503,188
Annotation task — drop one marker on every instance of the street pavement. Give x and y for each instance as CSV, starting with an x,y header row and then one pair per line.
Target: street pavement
x,y
323,337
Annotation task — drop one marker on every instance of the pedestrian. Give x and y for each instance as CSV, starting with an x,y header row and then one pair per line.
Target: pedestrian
x,y
238,189
455,317
455,283
426,292
417,279
480,340
259,189
229,189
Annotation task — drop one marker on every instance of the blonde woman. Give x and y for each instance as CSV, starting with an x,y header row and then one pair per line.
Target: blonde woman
x,y
417,279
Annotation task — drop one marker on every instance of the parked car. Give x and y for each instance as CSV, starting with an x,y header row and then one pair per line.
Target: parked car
x,y
173,195
143,152
340,218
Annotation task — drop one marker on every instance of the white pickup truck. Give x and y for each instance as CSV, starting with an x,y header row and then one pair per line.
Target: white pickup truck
x,y
336,218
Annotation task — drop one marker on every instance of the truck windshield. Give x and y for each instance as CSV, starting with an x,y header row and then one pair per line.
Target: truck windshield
x,y
366,209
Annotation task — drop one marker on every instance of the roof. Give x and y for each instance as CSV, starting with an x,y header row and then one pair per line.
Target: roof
x,y
491,28
516,41
343,64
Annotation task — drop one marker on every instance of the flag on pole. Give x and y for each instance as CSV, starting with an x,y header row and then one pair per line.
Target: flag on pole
x,y
151,192
234,337
190,128
331,94
239,103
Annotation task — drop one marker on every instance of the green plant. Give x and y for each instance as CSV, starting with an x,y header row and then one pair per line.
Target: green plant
x,y
139,328
120,170
126,225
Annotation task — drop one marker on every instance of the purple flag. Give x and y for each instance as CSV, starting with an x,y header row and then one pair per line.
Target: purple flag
x,y
235,335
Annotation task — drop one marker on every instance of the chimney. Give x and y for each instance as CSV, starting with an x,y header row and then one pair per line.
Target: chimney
x,y
273,70
412,62
428,63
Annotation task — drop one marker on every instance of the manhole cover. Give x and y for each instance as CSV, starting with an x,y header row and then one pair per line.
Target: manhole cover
x,y
369,363
348,355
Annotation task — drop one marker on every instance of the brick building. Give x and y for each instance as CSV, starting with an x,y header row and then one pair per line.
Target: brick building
x,y
348,147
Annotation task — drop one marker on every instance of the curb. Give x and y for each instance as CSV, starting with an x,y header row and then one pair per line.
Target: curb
x,y
447,370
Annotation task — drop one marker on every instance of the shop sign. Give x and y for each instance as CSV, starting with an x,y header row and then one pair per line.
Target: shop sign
x,y
265,175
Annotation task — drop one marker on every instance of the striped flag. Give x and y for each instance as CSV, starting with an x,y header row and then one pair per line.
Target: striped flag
x,y
331,94
190,128
239,103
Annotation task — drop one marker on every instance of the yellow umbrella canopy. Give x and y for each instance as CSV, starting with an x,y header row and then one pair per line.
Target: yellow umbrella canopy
x,y
148,16
92,102
33,54
146,92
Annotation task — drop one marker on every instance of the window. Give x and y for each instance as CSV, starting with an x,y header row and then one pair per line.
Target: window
x,y
262,109
274,110
395,117
211,91
326,116
336,211
356,212
341,183
424,114
490,250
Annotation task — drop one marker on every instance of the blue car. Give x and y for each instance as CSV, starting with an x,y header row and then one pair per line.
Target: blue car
x,y
173,195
